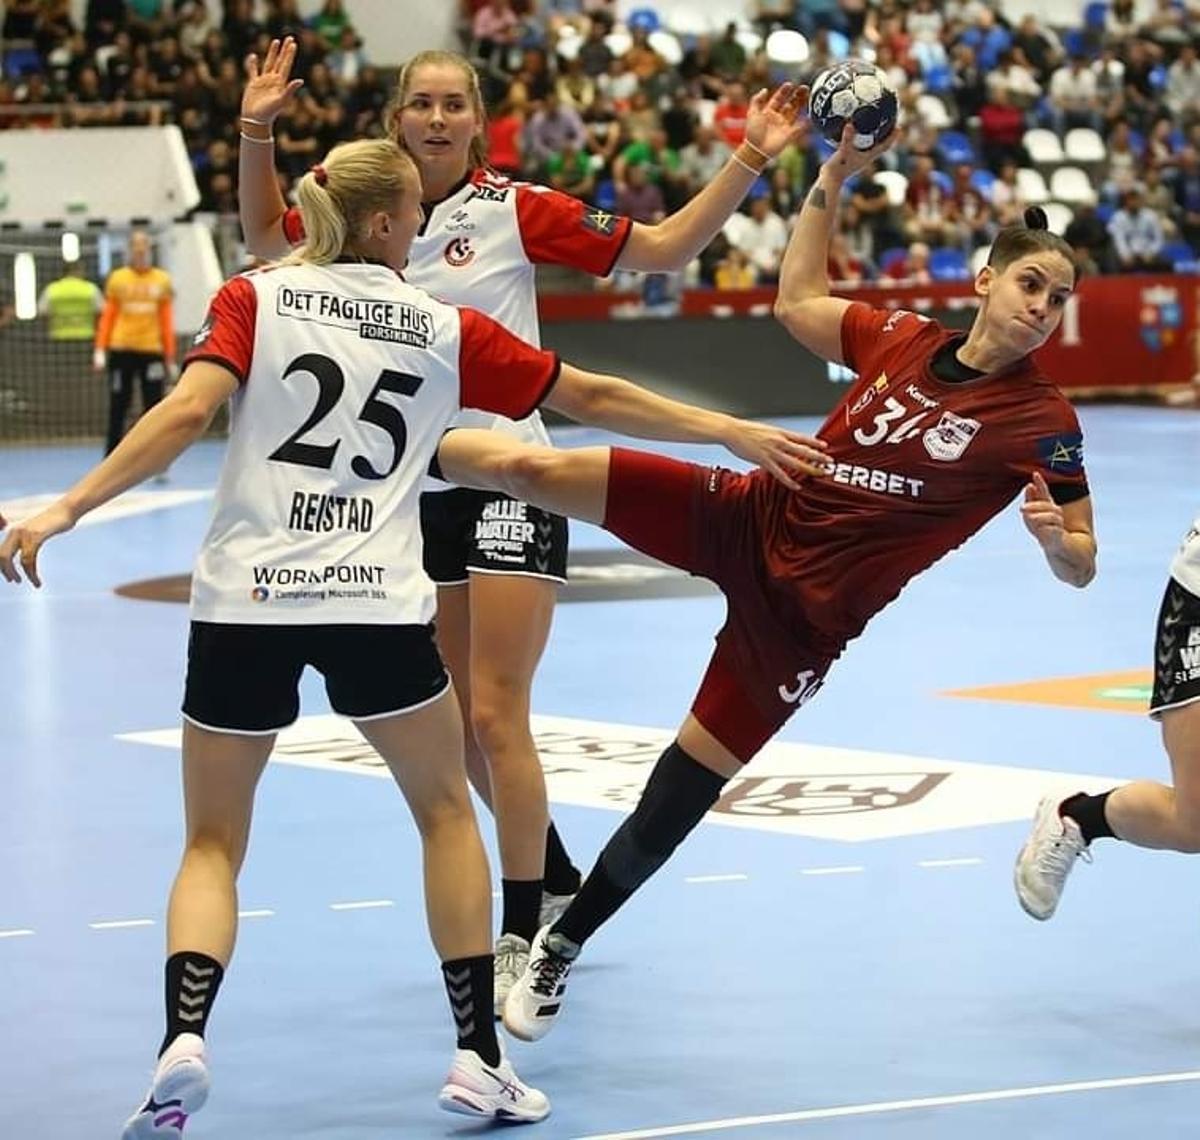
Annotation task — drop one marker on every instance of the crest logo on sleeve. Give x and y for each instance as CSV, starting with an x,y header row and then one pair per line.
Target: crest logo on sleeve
x,y
1062,454
459,253
867,397
950,437
599,222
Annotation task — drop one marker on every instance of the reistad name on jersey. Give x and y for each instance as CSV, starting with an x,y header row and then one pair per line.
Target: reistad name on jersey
x,y
371,319
318,514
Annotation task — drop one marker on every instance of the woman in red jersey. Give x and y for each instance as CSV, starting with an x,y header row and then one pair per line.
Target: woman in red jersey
x,y
940,432
479,246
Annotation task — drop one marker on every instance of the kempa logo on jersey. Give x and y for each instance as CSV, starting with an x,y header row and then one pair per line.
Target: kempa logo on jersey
x,y
949,438
790,789
460,220
872,479
459,253
371,319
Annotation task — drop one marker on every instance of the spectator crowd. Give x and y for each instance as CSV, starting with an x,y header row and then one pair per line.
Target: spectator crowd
x,y
636,116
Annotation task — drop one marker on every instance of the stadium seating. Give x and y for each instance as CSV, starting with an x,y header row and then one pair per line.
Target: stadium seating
x,y
1071,185
954,147
895,183
948,264
1084,145
1032,186
1043,147
1058,215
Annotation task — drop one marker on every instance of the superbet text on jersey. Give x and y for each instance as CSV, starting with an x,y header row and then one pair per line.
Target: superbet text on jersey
x,y
349,378
918,465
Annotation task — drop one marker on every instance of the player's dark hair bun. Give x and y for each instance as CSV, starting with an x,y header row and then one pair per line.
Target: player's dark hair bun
x,y
1035,218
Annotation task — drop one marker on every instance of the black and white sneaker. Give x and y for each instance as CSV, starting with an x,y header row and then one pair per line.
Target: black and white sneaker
x,y
537,997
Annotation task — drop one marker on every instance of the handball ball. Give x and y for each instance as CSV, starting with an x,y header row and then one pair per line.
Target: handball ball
x,y
858,92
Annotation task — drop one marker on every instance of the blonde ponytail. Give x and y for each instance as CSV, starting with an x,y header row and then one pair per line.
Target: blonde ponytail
x,y
338,196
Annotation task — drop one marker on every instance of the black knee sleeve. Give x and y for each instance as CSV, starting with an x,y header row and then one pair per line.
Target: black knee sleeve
x,y
676,797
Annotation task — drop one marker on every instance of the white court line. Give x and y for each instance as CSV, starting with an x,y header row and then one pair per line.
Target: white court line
x,y
123,924
949,862
716,878
832,870
15,933
898,1106
367,904
256,914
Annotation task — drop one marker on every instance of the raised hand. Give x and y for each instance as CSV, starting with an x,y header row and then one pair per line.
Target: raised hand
x,y
774,118
1042,516
848,160
787,455
268,89
23,542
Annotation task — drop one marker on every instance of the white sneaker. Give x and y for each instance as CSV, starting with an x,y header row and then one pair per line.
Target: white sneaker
x,y
1047,858
512,956
552,908
179,1089
492,1091
538,995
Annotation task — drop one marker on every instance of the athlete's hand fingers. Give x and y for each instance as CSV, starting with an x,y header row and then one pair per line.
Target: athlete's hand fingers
x,y
760,99
29,557
288,58
1040,485
251,67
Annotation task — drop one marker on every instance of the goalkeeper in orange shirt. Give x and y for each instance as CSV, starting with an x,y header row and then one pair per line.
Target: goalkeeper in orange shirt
x,y
135,339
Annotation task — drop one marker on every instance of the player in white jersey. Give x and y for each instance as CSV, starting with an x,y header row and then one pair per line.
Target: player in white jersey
x,y
1144,813
343,379
497,561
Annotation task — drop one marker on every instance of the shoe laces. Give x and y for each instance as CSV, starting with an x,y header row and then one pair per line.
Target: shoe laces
x,y
508,956
549,969
1059,854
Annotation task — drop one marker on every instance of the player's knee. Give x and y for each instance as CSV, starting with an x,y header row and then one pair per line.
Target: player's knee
x,y
676,797
214,845
444,808
495,727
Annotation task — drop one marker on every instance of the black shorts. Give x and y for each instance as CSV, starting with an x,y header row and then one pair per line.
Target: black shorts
x,y
1176,650
245,678
490,533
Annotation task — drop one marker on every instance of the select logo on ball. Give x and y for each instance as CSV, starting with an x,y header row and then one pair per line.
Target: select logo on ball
x,y
856,92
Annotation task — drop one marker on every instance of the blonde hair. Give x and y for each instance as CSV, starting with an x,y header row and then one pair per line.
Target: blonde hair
x,y
356,180
477,156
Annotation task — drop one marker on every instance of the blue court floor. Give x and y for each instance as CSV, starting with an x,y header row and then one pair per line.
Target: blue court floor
x,y
837,953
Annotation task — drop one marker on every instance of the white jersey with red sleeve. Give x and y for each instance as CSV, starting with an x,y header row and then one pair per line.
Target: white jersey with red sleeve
x,y
349,378
480,245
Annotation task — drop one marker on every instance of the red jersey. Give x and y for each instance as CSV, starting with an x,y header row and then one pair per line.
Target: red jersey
x,y
920,464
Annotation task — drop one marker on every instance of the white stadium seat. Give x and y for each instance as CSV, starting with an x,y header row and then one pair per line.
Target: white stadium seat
x,y
895,183
1071,185
934,112
1084,145
1043,146
1032,186
1058,215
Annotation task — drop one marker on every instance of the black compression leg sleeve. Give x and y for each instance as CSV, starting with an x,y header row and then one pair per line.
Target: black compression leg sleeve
x,y
676,797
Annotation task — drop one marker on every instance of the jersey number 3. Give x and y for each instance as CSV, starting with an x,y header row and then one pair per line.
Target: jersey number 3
x,y
331,381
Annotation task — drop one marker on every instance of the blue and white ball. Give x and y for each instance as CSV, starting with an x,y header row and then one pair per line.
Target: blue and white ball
x,y
857,92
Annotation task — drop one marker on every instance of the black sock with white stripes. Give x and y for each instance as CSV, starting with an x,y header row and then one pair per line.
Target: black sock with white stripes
x,y
192,983
470,985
